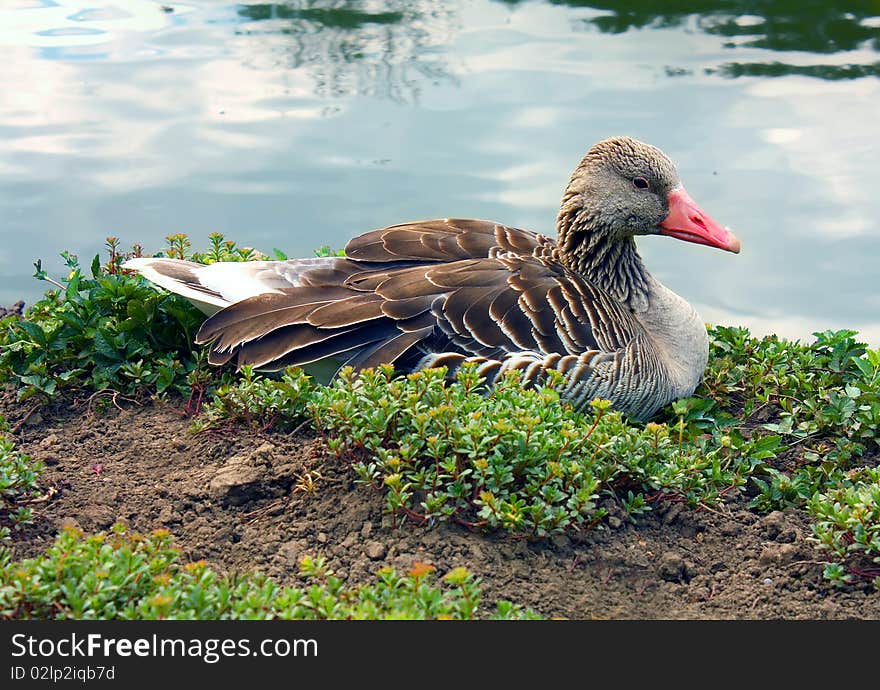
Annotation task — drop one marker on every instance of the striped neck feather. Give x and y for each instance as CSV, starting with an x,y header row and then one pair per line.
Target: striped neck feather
x,y
610,263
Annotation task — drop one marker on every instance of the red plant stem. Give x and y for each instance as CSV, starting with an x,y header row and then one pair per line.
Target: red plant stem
x,y
471,525
869,574
595,423
416,517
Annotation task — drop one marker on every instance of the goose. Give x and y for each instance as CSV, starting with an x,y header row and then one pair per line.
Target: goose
x,y
449,291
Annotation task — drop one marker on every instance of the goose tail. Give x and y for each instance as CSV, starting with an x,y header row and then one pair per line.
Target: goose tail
x,y
213,287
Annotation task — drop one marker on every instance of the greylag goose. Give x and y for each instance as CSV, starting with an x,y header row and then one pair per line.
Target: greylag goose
x,y
444,292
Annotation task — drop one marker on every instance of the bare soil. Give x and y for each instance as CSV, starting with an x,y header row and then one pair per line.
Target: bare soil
x,y
236,499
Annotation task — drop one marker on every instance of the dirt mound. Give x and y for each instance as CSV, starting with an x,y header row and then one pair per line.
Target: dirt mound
x,y
260,501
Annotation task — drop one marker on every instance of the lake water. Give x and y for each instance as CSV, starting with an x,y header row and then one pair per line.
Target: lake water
x,y
299,124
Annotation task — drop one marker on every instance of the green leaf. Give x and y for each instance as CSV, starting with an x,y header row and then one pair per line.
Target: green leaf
x,y
39,271
105,346
853,391
41,383
165,379
767,443
72,290
864,366
35,332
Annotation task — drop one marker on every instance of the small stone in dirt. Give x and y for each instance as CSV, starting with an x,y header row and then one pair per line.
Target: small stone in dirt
x,y
730,528
70,522
790,553
718,567
265,451
673,568
768,580
166,515
366,529
375,550
291,551
671,514
229,479
778,553
48,441
614,522
34,419
322,537
773,524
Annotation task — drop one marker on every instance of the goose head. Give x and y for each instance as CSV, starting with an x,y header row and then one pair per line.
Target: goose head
x,y
623,188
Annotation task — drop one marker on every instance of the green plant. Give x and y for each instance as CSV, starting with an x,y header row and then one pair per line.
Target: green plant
x,y
112,330
510,457
821,399
221,250
121,575
19,482
847,527
326,250
258,401
778,490
830,387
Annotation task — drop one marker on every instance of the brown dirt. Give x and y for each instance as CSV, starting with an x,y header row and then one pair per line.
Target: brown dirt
x,y
231,498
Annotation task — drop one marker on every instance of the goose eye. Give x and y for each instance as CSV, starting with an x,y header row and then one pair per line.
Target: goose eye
x,y
640,183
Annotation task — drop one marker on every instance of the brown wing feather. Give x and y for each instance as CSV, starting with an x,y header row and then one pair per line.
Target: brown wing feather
x,y
473,273
417,323
403,282
455,308
262,313
402,309
388,351
272,352
534,310
357,308
448,239
262,351
334,275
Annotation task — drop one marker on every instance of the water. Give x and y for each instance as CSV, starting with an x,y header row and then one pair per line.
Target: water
x,y
295,125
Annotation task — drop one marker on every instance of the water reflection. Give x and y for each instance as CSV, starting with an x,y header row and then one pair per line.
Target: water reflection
x,y
816,27
351,48
779,69
809,29
291,124
59,28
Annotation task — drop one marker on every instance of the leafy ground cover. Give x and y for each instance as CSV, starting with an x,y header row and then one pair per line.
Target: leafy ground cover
x,y
782,425
123,575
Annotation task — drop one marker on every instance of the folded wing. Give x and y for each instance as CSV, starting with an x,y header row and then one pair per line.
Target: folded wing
x,y
408,293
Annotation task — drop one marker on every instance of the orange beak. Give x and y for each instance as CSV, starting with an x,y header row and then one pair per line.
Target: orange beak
x,y
687,221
